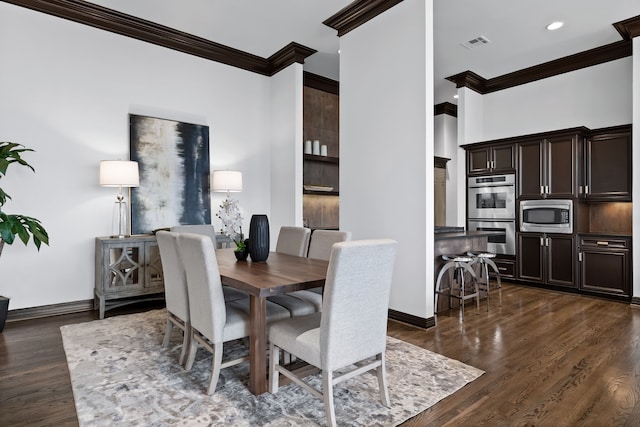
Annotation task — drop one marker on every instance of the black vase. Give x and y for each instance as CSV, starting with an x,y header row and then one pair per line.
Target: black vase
x,y
259,238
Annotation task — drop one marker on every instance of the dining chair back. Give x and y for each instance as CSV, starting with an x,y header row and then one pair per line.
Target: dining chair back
x,y
212,321
352,326
322,240
293,240
230,294
175,289
206,230
320,248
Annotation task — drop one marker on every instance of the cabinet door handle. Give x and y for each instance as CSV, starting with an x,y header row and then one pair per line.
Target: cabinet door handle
x,y
546,189
493,164
580,256
586,189
502,268
580,189
600,243
542,241
541,189
488,164
546,241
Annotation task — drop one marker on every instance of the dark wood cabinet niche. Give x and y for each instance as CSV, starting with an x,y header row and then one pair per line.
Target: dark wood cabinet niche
x,y
604,264
321,113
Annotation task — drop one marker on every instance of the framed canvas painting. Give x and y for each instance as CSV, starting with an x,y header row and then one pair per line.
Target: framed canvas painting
x,y
173,158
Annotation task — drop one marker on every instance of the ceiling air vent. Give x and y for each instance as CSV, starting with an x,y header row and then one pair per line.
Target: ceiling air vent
x,y
478,41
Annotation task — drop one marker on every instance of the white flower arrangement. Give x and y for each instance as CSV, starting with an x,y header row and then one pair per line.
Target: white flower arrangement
x,y
231,218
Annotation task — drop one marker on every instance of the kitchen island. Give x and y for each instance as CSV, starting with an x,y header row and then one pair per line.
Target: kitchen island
x,y
454,240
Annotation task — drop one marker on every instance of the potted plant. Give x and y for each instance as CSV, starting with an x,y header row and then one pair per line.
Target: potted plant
x,y
12,225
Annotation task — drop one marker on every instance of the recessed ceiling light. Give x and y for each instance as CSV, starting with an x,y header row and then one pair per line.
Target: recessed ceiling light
x,y
455,96
555,25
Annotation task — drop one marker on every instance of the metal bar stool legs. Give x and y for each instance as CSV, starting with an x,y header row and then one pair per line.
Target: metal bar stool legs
x,y
484,261
457,265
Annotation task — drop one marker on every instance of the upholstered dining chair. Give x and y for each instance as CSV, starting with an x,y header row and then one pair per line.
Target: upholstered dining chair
x,y
352,327
212,321
293,241
320,248
230,294
175,290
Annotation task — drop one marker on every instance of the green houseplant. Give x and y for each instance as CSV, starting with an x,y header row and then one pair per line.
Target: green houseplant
x,y
11,225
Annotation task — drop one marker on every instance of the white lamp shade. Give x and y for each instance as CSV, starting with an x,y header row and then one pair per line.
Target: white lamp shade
x,y
227,181
119,173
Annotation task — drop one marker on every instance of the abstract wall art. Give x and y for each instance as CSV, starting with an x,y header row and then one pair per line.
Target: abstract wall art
x,y
173,159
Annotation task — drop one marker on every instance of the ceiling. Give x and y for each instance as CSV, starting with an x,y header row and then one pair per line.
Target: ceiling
x,y
515,28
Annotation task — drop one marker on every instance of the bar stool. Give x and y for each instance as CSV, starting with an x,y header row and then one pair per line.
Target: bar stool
x,y
457,265
484,260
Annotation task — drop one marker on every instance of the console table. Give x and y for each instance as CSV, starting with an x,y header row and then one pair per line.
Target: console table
x,y
128,270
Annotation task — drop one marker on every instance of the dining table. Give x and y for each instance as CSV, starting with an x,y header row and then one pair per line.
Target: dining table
x,y
280,273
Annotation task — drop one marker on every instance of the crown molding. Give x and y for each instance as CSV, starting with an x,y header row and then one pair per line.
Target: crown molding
x,y
322,83
446,108
588,58
130,26
629,28
290,54
357,13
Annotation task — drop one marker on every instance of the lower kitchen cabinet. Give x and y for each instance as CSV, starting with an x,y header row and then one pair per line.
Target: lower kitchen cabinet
x,y
546,259
605,264
506,266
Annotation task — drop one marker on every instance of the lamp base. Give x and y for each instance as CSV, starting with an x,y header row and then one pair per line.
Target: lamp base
x,y
119,220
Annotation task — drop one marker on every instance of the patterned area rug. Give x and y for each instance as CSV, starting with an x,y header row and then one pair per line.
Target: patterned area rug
x,y
122,376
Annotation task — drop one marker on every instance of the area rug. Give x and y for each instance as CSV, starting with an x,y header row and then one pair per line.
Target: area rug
x,y
121,375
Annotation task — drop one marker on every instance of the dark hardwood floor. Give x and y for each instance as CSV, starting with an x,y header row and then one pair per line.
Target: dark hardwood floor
x,y
551,359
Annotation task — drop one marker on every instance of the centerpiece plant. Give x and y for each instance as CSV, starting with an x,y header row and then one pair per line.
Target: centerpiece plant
x,y
231,218
11,225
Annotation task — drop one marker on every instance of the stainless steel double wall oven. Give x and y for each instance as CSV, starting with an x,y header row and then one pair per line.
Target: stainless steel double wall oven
x,y
492,207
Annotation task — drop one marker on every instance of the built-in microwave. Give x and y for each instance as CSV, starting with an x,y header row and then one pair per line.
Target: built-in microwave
x,y
546,216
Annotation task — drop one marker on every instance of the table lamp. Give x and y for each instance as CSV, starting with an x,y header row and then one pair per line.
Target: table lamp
x,y
119,173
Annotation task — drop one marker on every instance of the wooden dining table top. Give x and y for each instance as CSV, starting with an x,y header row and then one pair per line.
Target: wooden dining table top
x,y
280,273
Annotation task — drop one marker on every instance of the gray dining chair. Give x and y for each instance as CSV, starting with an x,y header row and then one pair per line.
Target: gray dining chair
x,y
293,241
320,248
175,290
230,294
352,327
213,321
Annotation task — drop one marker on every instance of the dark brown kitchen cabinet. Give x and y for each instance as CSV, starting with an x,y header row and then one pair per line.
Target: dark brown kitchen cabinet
x,y
605,264
546,258
608,165
494,159
549,167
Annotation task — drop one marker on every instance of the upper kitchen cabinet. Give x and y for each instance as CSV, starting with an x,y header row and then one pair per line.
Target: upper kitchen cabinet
x,y
608,165
491,159
548,165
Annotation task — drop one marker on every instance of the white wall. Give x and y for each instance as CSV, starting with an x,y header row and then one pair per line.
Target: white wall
x,y
386,144
67,90
594,97
286,150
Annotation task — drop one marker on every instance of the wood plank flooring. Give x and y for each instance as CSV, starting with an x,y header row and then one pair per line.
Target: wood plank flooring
x,y
551,359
